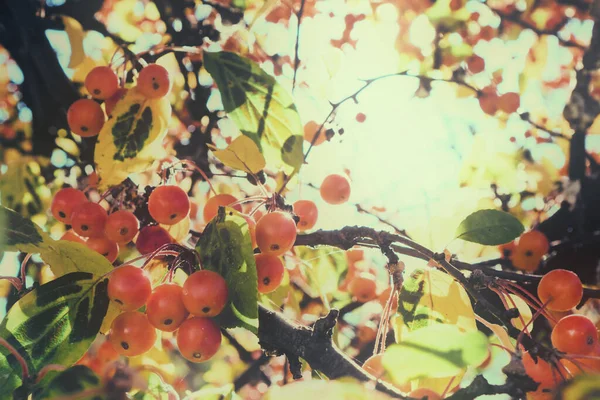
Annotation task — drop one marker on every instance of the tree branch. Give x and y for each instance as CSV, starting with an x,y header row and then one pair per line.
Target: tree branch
x,y
315,346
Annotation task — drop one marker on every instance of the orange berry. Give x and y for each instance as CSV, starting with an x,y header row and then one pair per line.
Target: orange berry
x,y
198,339
211,208
129,286
104,246
335,189
131,334
541,371
121,226
101,82
475,64
205,293
168,204
275,233
85,118
89,219
560,290
363,287
575,334
165,308
154,81
509,102
65,201
106,353
270,271
488,103
307,211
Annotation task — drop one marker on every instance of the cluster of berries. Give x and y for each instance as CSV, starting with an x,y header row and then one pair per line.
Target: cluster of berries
x,y
203,295
86,116
575,335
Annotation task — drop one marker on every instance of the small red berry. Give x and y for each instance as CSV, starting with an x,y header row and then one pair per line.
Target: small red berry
x,y
560,290
198,339
307,211
205,293
575,334
361,117
335,189
131,334
121,226
101,82
64,202
129,286
275,233
154,81
363,287
104,246
165,308
475,64
88,219
151,238
270,271
85,117
168,204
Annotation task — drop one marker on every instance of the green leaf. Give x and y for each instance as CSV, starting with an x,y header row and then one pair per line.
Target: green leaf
x,y
260,107
131,130
242,154
70,382
436,351
63,257
19,233
489,227
225,247
53,324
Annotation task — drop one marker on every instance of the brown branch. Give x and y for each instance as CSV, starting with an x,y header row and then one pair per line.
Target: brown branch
x,y
315,346
297,45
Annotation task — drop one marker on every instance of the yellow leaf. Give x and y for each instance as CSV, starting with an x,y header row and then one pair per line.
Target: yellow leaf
x,y
76,34
131,140
430,296
113,311
242,154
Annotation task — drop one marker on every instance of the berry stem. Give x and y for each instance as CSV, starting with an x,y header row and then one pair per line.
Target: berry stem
x,y
19,357
48,368
16,282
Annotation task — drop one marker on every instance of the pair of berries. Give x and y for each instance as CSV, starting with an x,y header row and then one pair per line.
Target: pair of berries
x,y
85,116
204,294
